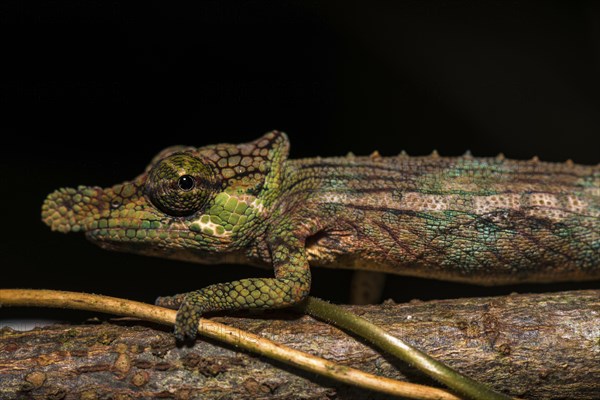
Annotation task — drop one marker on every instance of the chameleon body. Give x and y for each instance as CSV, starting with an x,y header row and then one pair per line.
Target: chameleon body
x,y
478,220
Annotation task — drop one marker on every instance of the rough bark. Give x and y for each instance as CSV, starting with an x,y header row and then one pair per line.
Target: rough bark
x,y
538,346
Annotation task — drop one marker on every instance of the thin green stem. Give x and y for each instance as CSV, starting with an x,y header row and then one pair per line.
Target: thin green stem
x,y
456,381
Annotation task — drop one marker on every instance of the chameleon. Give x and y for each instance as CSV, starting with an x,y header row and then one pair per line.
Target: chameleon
x,y
486,221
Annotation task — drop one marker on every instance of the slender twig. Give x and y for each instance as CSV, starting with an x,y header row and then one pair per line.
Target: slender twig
x,y
384,340
223,333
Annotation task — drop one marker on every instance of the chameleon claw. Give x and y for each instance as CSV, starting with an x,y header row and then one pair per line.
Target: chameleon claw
x,y
179,337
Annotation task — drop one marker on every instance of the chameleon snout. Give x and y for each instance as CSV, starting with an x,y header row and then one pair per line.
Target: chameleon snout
x,y
73,210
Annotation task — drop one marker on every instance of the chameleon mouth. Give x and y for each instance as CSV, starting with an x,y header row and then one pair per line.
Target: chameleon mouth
x,y
128,234
132,240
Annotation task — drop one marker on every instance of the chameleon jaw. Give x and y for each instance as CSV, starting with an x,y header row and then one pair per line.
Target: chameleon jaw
x,y
173,244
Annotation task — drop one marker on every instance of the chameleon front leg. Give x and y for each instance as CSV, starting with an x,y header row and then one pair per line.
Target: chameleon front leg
x,y
290,286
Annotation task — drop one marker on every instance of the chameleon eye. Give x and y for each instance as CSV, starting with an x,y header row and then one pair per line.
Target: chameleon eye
x,y
180,184
186,182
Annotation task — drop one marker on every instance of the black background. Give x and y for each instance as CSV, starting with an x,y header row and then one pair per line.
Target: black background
x,y
91,90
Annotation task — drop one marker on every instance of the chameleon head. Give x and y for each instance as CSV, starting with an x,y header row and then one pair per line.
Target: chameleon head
x,y
188,204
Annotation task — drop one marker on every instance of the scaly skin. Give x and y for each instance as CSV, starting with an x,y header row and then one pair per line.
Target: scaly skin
x,y
478,220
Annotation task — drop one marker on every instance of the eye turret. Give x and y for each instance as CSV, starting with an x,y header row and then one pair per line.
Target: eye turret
x,y
181,184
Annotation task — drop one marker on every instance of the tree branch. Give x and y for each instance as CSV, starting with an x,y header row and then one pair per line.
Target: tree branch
x,y
540,346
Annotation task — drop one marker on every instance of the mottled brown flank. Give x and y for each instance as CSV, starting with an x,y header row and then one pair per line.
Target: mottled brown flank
x,y
478,220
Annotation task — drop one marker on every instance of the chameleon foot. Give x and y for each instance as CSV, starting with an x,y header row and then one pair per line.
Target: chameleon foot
x,y
243,294
188,316
190,307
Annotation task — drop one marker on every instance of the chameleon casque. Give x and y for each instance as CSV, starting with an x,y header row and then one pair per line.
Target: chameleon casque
x,y
479,220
